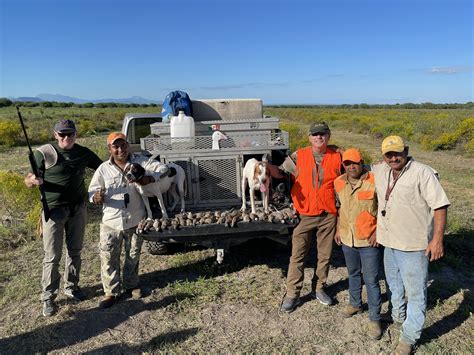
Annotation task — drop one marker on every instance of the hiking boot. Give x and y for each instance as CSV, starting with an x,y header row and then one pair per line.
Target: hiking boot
x,y
107,302
323,297
135,293
403,348
375,330
387,318
289,304
76,294
49,308
348,311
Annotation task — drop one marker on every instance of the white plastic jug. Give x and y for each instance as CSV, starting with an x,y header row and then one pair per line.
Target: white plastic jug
x,y
182,126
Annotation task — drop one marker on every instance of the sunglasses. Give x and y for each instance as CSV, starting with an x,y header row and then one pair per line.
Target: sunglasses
x,y
62,135
318,134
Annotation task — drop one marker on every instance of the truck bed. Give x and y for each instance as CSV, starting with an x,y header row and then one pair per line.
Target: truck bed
x,y
219,233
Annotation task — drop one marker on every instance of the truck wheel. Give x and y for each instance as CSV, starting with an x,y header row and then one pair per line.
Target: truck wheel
x,y
156,248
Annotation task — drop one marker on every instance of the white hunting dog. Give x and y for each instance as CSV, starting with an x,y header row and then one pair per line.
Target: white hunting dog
x,y
257,175
176,178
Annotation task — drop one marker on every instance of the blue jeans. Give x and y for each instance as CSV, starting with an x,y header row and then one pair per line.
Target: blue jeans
x,y
364,262
407,274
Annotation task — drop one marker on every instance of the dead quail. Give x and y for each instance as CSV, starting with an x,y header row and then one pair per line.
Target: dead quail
x,y
198,215
253,216
181,221
245,217
228,220
220,220
157,225
174,224
271,218
261,216
234,220
148,225
141,226
190,222
165,223
279,217
208,220
189,215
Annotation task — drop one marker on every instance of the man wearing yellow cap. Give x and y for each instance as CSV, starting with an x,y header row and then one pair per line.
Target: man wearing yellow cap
x,y
356,231
410,224
123,209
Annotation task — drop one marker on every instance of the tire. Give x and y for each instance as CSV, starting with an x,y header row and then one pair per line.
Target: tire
x,y
156,248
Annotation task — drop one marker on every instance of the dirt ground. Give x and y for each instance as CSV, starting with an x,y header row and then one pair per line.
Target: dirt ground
x,y
194,305
191,304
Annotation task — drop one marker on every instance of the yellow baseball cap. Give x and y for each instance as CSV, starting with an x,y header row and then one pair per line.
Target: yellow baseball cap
x,y
393,144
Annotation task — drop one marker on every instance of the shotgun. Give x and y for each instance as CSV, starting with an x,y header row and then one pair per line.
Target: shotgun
x,y
34,168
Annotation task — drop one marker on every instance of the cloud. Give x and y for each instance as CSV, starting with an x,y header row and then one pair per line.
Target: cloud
x,y
451,70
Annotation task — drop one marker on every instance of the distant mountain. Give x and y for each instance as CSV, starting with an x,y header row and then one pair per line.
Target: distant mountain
x,y
25,98
62,98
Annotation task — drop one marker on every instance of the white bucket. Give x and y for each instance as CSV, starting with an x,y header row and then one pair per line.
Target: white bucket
x,y
182,130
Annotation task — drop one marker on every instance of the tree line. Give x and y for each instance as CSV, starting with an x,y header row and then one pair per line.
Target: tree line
x,y
4,102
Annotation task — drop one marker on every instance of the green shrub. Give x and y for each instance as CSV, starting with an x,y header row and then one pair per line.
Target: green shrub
x,y
20,209
463,134
10,132
86,127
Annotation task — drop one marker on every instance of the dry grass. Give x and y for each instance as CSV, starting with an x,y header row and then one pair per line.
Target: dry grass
x,y
194,305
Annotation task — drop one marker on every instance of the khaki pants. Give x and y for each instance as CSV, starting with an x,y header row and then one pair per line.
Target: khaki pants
x,y
325,226
110,249
65,224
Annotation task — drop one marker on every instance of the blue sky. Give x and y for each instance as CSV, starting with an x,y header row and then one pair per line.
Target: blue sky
x,y
285,52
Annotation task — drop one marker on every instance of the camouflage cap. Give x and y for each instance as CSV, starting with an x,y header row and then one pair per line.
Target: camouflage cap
x,y
318,127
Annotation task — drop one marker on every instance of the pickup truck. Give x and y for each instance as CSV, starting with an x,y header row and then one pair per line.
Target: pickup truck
x,y
213,176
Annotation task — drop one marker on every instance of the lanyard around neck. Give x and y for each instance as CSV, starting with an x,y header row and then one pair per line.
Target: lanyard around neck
x,y
389,190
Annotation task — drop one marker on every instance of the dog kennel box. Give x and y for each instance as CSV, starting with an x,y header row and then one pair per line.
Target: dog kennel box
x,y
207,127
213,176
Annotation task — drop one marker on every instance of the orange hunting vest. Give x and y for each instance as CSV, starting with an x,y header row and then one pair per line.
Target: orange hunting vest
x,y
310,196
358,212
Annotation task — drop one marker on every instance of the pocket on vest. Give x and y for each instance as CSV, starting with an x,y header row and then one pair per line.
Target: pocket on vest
x,y
365,225
366,195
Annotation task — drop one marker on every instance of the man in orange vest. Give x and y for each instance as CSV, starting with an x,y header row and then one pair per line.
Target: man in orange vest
x,y
356,232
317,166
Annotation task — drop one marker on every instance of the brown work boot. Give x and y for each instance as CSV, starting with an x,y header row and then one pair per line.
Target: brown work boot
x,y
375,330
403,348
107,302
348,311
135,293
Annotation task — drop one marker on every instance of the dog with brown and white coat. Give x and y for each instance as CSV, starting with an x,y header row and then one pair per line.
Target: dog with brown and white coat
x,y
167,183
257,175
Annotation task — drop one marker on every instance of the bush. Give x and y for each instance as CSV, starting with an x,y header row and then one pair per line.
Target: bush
x,y
10,132
4,102
20,208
